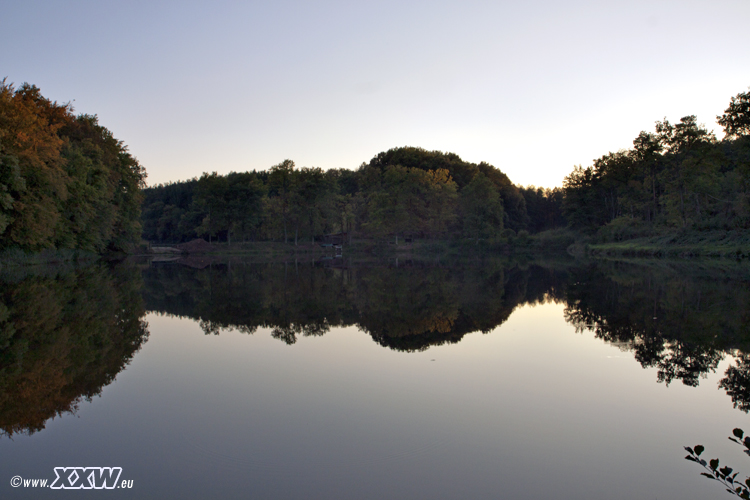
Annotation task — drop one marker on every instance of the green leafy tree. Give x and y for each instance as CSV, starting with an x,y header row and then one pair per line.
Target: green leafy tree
x,y
210,200
65,180
736,118
312,200
244,201
281,183
482,209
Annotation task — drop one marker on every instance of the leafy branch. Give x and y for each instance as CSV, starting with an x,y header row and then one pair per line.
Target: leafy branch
x,y
724,475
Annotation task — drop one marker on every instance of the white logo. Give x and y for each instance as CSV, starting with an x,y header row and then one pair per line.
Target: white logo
x,y
86,478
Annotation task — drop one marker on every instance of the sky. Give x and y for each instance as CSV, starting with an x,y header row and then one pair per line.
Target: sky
x,y
533,88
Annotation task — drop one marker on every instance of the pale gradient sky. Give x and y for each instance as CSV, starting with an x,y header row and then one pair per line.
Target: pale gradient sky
x,y
533,88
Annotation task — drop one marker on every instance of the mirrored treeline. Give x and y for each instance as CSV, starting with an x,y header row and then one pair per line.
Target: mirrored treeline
x,y
65,333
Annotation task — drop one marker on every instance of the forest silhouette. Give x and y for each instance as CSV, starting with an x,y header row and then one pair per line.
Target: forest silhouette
x,y
67,183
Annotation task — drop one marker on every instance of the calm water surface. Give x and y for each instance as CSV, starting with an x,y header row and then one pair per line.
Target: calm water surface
x,y
477,379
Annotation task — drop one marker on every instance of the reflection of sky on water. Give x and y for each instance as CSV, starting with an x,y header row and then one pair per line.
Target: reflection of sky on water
x,y
530,410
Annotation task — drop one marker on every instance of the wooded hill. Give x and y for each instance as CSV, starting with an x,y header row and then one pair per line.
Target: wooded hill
x,y
403,192
679,177
65,181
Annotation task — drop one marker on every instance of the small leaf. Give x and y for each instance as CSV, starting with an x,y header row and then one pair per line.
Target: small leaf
x,y
714,462
688,457
732,439
726,470
699,449
689,450
703,462
746,441
738,432
707,475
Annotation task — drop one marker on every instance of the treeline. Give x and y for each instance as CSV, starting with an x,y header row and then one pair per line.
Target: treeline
x,y
65,181
404,192
679,176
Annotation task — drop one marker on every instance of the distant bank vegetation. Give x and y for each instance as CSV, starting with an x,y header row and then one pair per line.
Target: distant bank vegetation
x,y
402,193
65,181
679,177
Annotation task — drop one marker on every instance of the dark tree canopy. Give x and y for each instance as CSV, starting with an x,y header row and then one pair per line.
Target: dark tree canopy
x,y
65,181
677,177
736,118
401,193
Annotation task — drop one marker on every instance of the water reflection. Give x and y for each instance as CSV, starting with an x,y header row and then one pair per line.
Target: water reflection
x,y
680,319
64,335
408,307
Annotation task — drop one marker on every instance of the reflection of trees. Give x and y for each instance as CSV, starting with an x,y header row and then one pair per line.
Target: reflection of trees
x,y
408,307
62,339
683,324
736,382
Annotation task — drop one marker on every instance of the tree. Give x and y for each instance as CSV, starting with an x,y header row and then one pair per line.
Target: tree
x,y
311,200
244,200
281,182
65,180
389,207
482,209
736,118
210,199
11,184
441,202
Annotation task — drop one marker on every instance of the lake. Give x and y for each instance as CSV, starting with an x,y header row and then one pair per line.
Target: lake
x,y
471,378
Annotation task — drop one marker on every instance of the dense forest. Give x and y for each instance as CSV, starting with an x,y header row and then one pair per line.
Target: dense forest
x,y
65,181
678,177
404,192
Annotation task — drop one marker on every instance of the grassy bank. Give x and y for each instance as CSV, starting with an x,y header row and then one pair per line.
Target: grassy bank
x,y
731,244
548,242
